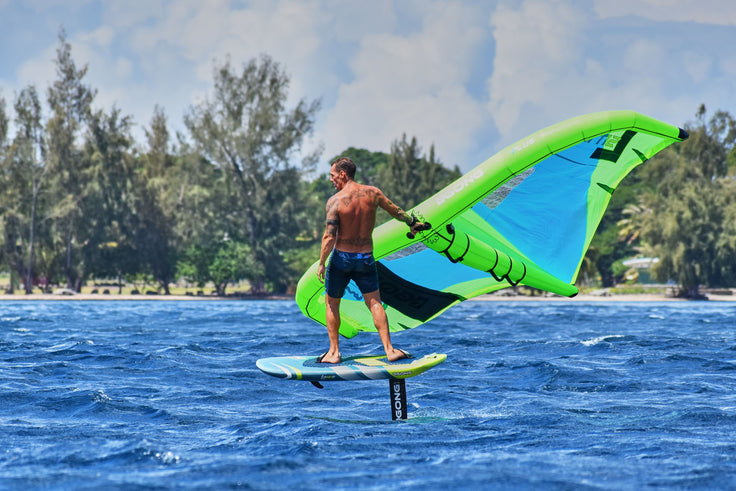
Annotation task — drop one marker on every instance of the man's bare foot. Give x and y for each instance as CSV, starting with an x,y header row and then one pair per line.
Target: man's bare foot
x,y
329,358
398,354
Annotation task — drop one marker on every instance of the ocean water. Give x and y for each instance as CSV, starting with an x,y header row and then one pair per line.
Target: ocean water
x,y
548,395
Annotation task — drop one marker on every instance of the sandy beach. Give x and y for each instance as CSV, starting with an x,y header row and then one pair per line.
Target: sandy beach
x,y
100,296
612,297
616,297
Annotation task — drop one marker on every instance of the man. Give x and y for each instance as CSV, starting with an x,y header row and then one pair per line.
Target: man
x,y
351,216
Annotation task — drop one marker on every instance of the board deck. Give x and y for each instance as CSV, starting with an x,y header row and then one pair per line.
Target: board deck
x,y
362,367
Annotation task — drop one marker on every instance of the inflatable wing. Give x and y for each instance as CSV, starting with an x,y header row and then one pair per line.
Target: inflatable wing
x,y
526,216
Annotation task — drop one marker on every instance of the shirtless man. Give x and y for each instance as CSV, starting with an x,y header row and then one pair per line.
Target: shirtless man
x,y
351,216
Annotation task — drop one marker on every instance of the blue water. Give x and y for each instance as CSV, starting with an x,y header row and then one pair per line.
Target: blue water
x,y
555,395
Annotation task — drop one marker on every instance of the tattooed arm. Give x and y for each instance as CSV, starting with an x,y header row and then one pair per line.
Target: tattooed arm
x,y
414,225
392,209
330,236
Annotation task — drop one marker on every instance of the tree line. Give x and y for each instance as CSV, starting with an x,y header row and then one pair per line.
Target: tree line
x,y
227,201
81,199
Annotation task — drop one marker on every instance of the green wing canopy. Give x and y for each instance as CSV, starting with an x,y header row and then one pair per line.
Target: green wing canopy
x,y
525,216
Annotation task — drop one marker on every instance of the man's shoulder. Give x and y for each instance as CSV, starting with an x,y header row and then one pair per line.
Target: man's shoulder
x,y
368,189
333,201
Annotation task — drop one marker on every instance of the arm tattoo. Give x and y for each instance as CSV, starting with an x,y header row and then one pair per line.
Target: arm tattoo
x,y
333,219
392,209
331,227
403,216
331,230
332,208
400,214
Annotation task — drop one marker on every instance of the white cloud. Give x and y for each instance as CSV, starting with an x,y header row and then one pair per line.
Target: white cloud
x,y
175,45
555,60
413,84
39,70
447,72
727,66
203,32
43,5
101,37
539,66
123,68
716,12
124,14
644,56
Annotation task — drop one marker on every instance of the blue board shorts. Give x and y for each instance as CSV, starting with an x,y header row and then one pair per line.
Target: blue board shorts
x,y
345,266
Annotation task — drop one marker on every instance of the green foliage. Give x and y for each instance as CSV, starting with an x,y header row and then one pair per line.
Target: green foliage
x,y
194,264
79,198
232,263
4,123
104,201
70,102
24,179
619,270
154,215
409,177
684,211
221,262
246,131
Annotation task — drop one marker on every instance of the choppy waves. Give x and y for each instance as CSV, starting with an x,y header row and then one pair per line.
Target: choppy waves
x,y
532,396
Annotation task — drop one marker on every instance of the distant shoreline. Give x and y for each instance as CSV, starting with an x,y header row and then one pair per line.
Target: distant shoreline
x,y
115,297
615,297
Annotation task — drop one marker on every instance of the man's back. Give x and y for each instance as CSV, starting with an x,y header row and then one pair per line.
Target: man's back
x,y
356,210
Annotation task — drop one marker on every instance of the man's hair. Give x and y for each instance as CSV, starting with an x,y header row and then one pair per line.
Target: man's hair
x,y
344,163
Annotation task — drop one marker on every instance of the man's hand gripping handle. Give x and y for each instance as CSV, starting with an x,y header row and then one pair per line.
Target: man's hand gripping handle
x,y
416,226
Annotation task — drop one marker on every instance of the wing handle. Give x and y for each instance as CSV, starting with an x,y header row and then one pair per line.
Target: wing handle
x,y
423,227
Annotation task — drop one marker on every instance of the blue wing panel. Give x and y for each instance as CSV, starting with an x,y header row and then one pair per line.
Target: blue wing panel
x,y
544,216
444,274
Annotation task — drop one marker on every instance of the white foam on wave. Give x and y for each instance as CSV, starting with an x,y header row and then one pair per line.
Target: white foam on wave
x,y
600,339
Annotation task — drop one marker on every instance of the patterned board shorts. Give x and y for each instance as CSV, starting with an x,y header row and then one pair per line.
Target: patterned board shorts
x,y
345,266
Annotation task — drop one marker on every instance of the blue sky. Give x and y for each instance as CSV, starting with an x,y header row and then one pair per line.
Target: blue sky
x,y
469,77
